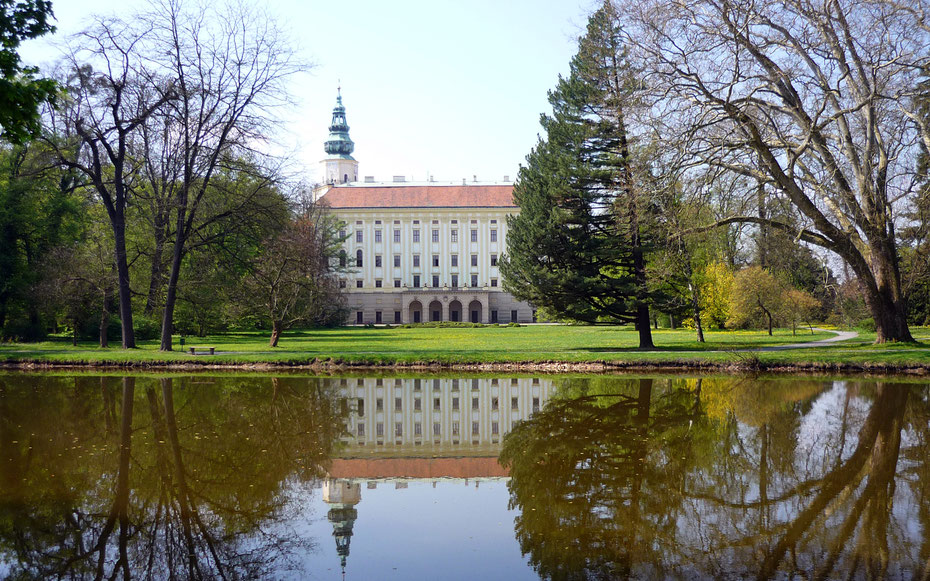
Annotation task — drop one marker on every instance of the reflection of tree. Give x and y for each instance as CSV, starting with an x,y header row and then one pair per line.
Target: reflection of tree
x,y
191,483
596,477
643,483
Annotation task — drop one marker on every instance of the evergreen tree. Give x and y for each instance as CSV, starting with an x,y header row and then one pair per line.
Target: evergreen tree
x,y
576,248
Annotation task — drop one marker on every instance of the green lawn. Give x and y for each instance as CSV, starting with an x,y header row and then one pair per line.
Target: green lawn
x,y
531,343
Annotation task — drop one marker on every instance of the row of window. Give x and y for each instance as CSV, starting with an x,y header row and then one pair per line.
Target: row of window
x,y
417,405
418,429
434,235
435,315
416,282
418,383
454,260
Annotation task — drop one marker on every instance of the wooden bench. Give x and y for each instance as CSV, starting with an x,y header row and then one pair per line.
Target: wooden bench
x,y
202,350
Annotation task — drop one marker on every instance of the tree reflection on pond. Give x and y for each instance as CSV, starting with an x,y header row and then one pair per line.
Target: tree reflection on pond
x,y
724,478
125,477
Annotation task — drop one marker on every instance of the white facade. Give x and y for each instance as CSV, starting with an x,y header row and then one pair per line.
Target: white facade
x,y
430,263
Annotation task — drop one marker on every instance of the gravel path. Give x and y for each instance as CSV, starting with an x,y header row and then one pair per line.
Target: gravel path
x,y
840,336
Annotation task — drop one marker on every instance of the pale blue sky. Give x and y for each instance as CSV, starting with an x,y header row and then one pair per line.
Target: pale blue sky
x,y
446,88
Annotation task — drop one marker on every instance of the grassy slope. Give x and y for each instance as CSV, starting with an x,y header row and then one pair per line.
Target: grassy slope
x,y
536,343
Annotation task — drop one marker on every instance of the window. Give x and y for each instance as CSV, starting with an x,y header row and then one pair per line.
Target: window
x,y
514,403
361,429
513,316
493,282
380,429
455,260
396,283
416,281
474,383
358,317
358,258
474,259
455,428
494,403
493,315
436,260
495,428
397,313
417,429
377,236
493,260
435,385
379,404
435,235
454,236
455,385
474,403
378,315
474,235
399,429
493,235
437,428
435,280
360,405
397,404
514,381
416,235
455,403
417,404
416,384
342,235
416,261
359,283
397,261
474,428
474,280
378,261
396,235
342,284
378,283
435,403
358,236
455,280
535,404
342,258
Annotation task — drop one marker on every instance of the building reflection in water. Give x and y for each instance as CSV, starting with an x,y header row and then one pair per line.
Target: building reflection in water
x,y
402,430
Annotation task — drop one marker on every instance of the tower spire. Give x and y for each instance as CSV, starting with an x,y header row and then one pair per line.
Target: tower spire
x,y
340,166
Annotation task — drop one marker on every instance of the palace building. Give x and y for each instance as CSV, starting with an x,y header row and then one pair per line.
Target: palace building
x,y
417,252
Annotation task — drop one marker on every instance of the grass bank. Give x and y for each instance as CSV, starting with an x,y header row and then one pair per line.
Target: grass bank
x,y
558,348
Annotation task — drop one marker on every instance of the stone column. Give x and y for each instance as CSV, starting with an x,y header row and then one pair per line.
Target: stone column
x,y
485,313
445,307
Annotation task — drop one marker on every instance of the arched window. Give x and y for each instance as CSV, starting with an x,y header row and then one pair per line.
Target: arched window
x,y
358,259
345,178
342,258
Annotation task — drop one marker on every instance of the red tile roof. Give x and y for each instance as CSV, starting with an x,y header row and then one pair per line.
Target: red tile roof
x,y
432,196
417,468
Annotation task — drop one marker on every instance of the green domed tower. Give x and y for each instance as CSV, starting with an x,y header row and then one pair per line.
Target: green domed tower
x,y
339,167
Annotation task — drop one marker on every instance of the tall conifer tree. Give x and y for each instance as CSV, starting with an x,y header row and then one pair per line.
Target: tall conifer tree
x,y
576,248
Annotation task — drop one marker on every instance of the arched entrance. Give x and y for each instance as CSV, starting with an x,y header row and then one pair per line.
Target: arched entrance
x,y
455,311
435,311
474,311
415,312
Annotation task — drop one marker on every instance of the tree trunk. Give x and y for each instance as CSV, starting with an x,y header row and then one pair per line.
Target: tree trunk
x,y
768,316
122,275
275,333
696,309
171,296
671,321
74,331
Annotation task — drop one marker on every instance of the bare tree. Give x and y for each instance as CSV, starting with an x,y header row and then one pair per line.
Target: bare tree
x,y
230,66
294,279
112,91
814,99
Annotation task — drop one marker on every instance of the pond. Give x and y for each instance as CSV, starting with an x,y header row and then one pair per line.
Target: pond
x,y
462,477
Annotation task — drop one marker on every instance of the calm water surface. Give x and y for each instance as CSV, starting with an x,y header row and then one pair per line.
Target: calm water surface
x,y
447,477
